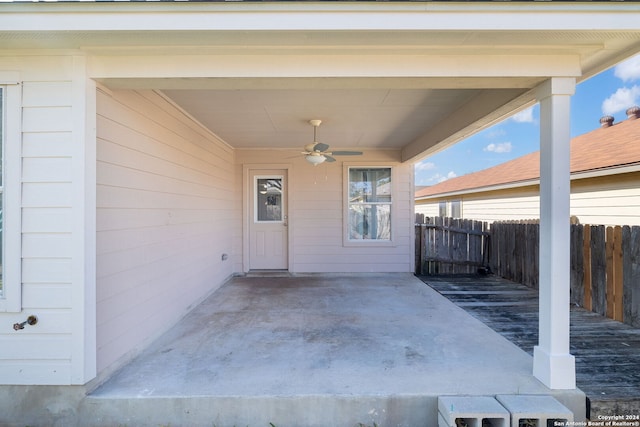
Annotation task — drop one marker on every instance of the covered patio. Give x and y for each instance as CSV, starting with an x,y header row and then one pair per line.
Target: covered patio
x,y
139,138
316,350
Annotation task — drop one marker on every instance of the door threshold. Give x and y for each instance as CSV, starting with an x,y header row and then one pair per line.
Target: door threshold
x,y
268,273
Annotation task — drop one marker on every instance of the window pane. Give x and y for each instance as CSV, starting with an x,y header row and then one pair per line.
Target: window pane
x,y
456,209
442,209
370,185
269,199
369,222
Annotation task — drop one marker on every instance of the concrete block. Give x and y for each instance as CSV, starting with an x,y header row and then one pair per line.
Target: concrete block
x,y
471,411
534,410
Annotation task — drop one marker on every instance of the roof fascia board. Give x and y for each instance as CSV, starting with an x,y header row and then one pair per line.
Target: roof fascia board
x,y
278,16
575,176
506,186
383,65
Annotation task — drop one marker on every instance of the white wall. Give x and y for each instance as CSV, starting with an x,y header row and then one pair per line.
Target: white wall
x,y
427,209
508,206
316,210
44,353
166,212
613,200
610,200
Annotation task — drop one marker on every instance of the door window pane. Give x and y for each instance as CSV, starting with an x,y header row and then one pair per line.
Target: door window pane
x,y
268,199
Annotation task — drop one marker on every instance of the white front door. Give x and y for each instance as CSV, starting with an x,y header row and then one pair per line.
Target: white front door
x,y
268,237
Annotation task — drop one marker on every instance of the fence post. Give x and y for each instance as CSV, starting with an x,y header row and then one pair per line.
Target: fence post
x,y
586,256
618,290
631,275
610,293
577,264
598,270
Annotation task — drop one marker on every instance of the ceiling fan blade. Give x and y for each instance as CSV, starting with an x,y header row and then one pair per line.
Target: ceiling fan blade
x,y
346,153
329,158
310,147
320,147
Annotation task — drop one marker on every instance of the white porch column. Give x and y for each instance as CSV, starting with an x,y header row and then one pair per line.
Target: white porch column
x,y
552,363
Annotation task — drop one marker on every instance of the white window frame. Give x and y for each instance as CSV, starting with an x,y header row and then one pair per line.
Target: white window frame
x,y
345,223
11,296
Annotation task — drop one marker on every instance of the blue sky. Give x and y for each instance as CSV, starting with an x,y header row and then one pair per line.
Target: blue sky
x,y
609,93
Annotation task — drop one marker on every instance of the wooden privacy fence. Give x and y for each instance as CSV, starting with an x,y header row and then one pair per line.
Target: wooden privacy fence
x,y
605,264
514,248
449,246
605,261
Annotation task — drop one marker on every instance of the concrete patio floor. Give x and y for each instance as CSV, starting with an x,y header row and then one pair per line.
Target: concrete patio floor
x,y
316,350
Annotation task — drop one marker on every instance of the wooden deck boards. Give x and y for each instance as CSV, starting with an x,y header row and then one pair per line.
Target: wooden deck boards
x,y
607,352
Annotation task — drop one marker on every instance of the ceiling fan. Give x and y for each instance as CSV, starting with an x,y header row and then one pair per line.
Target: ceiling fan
x,y
317,152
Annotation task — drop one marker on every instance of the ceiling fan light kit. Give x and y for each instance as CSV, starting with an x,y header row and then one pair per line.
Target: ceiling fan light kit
x,y
315,160
316,152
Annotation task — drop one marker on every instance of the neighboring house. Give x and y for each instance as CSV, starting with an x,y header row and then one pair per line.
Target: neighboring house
x,y
605,182
152,150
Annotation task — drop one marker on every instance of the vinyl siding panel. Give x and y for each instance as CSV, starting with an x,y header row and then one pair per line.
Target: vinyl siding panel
x,y
508,207
43,372
46,144
46,170
165,216
608,200
42,354
46,295
613,200
47,119
427,209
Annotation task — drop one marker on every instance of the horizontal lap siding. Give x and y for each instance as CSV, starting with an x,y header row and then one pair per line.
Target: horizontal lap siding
x,y
427,209
608,200
316,211
502,209
319,244
42,354
165,216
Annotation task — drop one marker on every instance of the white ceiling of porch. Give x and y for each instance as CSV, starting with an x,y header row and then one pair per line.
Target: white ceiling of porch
x,y
356,118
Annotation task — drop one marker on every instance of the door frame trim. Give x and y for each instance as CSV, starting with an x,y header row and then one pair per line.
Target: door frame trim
x,y
247,184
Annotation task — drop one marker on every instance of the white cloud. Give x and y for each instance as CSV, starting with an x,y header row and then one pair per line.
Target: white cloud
x,y
501,147
622,99
425,166
441,178
628,70
524,116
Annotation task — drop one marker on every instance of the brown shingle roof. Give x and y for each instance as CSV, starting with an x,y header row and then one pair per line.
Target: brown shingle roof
x,y
603,148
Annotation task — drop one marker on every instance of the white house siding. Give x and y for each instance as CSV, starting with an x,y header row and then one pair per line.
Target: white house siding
x,y
607,200
427,209
42,354
505,205
508,205
611,200
316,210
166,212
